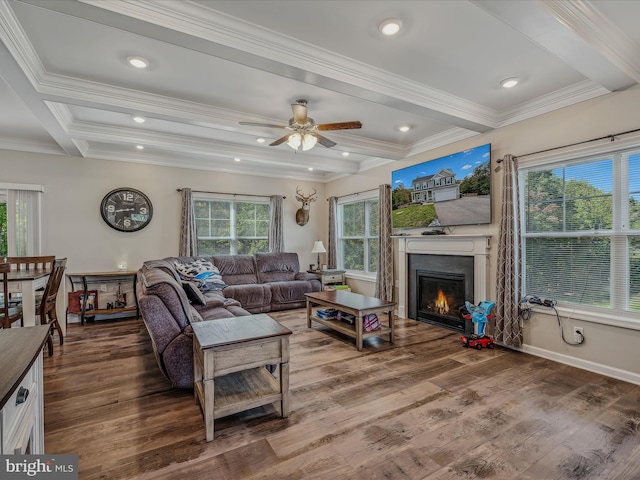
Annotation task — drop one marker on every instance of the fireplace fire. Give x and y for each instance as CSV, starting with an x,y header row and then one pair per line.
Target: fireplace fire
x,y
440,296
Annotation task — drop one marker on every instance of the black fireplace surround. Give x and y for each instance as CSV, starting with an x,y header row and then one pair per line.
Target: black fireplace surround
x,y
438,287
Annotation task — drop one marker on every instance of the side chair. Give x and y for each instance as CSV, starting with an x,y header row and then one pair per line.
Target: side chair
x,y
9,313
46,308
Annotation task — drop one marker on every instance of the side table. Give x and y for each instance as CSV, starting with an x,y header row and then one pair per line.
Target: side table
x,y
229,358
329,277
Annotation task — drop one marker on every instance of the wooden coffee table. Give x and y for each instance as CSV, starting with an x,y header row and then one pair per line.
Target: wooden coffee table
x,y
229,356
356,304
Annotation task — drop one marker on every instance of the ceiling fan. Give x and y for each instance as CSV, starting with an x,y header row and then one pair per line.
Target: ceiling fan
x,y
305,131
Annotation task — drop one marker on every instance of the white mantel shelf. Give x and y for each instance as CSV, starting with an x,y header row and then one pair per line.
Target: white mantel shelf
x,y
472,245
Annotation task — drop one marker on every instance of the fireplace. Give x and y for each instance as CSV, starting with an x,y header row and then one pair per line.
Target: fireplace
x,y
445,250
440,297
438,287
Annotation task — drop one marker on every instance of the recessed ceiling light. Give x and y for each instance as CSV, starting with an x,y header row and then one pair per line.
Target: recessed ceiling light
x,y
404,128
138,62
509,82
345,154
311,169
237,159
260,140
390,27
139,119
140,147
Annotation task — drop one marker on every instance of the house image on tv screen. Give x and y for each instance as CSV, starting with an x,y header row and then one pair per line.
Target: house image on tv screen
x,y
447,191
435,188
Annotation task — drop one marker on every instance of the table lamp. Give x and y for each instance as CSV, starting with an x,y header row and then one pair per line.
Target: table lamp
x,y
318,248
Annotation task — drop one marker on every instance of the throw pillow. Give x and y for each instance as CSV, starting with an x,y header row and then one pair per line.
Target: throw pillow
x,y
193,293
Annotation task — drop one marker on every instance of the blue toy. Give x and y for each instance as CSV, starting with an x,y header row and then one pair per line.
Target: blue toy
x,y
479,314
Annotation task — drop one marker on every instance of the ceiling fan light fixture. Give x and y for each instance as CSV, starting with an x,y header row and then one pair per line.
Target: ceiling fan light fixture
x,y
390,27
308,142
509,82
138,62
294,141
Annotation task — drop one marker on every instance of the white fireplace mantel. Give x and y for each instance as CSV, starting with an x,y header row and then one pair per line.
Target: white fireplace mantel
x,y
476,246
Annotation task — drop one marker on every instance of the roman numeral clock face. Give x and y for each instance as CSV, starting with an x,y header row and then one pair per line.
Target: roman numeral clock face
x,y
126,209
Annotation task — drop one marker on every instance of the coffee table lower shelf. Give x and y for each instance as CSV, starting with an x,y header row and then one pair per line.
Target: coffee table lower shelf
x,y
240,391
350,330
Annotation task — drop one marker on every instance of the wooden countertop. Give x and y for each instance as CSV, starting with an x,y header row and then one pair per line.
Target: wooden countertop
x,y
19,348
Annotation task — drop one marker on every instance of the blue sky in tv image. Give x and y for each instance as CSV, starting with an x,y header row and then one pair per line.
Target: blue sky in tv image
x,y
462,164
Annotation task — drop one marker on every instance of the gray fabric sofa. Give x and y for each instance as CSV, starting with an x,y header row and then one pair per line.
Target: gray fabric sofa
x,y
257,283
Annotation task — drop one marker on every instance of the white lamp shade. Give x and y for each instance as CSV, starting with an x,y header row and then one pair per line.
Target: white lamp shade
x,y
318,247
294,141
308,142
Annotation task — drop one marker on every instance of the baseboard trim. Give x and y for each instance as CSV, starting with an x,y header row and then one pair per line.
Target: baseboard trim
x,y
612,372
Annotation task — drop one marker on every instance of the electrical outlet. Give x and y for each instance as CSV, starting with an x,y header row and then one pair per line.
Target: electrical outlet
x,y
103,287
578,334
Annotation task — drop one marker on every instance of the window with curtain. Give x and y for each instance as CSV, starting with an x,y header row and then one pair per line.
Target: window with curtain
x,y
581,231
358,226
20,219
231,226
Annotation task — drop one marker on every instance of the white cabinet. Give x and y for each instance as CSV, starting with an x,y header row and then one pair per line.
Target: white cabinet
x,y
21,390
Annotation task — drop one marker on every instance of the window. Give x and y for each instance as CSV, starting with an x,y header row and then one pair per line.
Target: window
x,y
581,231
20,219
358,227
231,226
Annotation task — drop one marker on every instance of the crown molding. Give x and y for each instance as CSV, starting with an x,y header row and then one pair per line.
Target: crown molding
x,y
34,146
201,163
440,140
586,21
579,92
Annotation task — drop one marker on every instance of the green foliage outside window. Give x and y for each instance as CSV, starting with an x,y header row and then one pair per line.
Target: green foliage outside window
x,y
575,249
3,230
231,227
360,224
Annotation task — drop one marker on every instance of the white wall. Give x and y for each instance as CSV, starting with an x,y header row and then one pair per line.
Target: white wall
x,y
607,349
74,188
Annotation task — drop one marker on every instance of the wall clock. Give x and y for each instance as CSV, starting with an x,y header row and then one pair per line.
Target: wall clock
x,y
126,209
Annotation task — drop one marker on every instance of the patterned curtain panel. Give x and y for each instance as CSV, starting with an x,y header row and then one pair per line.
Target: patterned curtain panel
x,y
188,235
332,250
276,235
384,275
508,327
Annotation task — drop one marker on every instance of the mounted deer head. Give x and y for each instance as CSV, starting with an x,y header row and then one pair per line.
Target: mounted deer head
x,y
302,215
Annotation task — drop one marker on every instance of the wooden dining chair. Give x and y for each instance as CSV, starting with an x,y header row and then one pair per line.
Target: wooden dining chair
x,y
32,263
46,308
9,313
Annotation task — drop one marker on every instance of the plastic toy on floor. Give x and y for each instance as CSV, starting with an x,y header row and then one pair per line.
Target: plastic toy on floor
x,y
479,314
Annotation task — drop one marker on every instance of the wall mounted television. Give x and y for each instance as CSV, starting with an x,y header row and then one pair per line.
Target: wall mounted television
x,y
444,192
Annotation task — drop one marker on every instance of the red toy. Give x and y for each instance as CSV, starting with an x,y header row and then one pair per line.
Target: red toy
x,y
478,342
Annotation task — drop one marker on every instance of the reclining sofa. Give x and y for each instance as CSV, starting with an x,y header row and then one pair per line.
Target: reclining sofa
x,y
257,283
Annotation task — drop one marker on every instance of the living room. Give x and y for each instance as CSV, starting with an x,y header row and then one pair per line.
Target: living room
x,y
74,186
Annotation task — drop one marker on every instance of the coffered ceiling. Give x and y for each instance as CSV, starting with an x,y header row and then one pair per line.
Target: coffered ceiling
x,y
66,86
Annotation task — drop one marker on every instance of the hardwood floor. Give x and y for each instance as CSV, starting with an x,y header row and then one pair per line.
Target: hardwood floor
x,y
424,408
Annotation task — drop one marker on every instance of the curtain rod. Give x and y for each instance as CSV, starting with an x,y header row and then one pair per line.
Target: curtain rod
x,y
224,193
356,193
612,137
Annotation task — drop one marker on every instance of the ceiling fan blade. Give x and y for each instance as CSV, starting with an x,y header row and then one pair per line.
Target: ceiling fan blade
x,y
299,112
324,141
339,126
280,140
254,124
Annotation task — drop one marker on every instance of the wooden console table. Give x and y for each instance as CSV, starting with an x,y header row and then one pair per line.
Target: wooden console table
x,y
103,277
229,356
